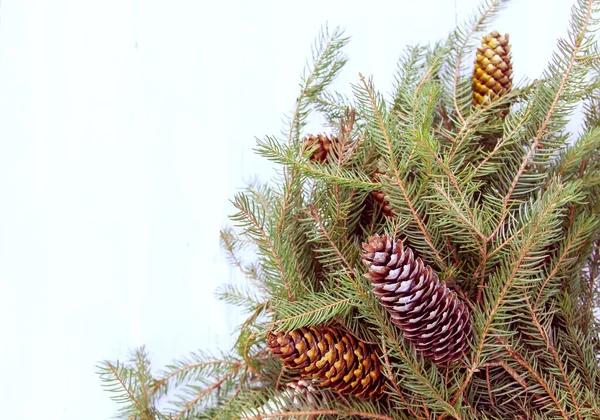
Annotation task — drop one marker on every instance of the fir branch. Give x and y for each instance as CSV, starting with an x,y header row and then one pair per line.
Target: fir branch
x,y
539,379
435,61
238,296
189,404
511,371
506,139
333,105
258,231
262,193
550,347
459,190
570,250
279,153
317,412
143,375
578,342
588,58
181,371
486,12
468,219
349,271
388,368
406,76
327,63
314,309
121,380
478,117
571,162
377,114
544,213
541,130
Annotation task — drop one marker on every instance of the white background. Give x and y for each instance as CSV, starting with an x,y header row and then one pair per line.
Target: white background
x,y
125,127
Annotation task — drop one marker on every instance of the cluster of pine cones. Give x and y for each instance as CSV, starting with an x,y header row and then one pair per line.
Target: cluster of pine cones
x,y
430,315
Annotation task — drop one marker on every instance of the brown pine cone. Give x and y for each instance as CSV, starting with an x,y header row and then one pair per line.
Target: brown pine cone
x,y
380,198
492,75
431,315
323,146
338,359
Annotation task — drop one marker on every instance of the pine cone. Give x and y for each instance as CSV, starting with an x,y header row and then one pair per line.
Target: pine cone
x,y
305,388
492,75
431,316
380,198
337,358
323,146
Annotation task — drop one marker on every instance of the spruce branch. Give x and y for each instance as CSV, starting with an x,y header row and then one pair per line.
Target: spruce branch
x,y
573,50
281,154
340,258
377,112
468,219
117,379
392,380
550,347
254,225
314,309
569,254
239,296
233,245
179,373
538,378
327,63
507,139
309,413
203,393
542,215
585,357
462,41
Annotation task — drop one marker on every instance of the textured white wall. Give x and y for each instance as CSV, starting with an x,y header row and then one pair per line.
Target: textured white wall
x,y
125,126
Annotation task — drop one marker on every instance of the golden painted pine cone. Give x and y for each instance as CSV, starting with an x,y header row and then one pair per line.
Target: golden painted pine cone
x,y
430,315
323,146
338,359
380,198
492,75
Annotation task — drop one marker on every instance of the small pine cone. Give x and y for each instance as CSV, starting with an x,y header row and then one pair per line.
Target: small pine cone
x,y
492,75
305,388
338,359
431,315
323,146
380,198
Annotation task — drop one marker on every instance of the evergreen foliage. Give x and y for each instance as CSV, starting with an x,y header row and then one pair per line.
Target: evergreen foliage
x,y
503,207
